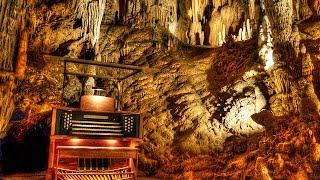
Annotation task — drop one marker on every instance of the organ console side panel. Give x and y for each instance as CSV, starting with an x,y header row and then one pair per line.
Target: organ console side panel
x,y
93,144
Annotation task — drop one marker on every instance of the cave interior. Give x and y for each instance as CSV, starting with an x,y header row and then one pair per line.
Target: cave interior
x,y
214,89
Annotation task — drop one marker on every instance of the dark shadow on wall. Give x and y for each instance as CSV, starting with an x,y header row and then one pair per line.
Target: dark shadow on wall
x,y
234,59
28,154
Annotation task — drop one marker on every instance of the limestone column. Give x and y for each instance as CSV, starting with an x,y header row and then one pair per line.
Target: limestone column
x,y
287,68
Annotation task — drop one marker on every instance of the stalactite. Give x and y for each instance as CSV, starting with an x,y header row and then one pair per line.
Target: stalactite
x,y
296,98
239,35
7,43
231,17
21,63
315,4
251,6
222,35
91,13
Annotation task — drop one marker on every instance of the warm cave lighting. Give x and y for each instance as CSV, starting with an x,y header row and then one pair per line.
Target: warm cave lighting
x,y
269,59
97,102
266,53
99,92
75,141
111,141
97,99
173,27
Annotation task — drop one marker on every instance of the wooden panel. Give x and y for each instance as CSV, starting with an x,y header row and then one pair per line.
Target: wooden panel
x,y
97,152
54,119
65,137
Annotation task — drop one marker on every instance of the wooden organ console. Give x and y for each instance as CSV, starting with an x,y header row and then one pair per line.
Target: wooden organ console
x,y
93,145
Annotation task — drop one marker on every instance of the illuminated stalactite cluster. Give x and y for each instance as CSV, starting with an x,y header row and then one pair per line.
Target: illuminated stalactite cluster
x,y
194,22
219,20
91,13
159,12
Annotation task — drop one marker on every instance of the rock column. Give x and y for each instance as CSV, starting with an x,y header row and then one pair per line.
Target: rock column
x,y
287,68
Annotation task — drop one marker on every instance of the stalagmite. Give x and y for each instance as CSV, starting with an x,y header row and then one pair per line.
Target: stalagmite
x,y
249,29
220,39
295,40
223,33
239,35
201,38
307,65
244,33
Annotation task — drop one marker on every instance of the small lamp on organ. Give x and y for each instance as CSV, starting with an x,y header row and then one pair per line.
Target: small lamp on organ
x,y
97,102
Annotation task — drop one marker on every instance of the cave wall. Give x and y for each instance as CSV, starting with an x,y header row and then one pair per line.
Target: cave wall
x,y
191,98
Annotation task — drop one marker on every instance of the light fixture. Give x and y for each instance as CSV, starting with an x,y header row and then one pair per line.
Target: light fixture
x,y
111,141
97,101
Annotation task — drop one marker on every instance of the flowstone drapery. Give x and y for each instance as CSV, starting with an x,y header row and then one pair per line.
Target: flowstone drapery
x,y
90,12
12,17
6,107
315,4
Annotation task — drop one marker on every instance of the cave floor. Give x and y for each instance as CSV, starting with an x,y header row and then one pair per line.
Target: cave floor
x,y
41,176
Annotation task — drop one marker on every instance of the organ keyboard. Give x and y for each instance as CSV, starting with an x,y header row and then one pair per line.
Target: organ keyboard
x,y
93,145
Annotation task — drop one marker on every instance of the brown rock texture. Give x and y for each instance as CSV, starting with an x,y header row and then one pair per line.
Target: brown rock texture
x,y
288,150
